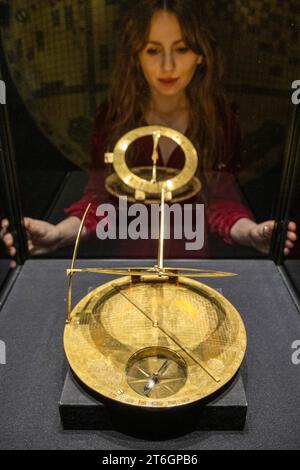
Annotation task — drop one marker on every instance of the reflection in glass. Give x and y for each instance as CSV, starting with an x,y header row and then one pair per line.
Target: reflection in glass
x,y
292,264
4,258
62,69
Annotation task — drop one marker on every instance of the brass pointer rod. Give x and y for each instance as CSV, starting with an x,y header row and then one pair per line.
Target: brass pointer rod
x,y
160,260
171,272
165,332
156,137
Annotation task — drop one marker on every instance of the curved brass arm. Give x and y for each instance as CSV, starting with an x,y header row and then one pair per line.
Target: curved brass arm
x,y
71,271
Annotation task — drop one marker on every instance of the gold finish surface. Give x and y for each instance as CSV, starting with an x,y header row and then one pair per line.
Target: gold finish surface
x,y
146,183
116,322
155,270
154,338
156,371
117,188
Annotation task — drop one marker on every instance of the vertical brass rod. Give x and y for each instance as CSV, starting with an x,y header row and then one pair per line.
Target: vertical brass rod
x,y
156,137
160,260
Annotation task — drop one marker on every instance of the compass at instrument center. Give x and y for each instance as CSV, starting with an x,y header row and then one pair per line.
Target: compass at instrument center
x,y
150,183
194,337
156,372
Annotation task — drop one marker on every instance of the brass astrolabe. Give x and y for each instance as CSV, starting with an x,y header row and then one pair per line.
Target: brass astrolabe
x,y
155,338
145,183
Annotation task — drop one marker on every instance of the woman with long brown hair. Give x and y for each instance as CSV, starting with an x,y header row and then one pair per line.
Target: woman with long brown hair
x,y
133,97
168,71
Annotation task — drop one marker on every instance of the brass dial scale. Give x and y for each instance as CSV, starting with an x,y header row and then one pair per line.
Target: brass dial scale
x,y
155,337
145,183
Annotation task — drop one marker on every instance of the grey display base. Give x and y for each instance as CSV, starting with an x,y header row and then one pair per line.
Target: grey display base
x,y
79,410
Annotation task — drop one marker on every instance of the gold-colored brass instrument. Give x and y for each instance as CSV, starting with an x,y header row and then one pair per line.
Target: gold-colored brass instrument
x,y
154,338
145,183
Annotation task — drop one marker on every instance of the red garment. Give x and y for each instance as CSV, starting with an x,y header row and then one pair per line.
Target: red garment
x,y
223,207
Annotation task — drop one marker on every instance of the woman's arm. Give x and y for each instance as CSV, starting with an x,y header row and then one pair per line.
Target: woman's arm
x,y
43,237
95,192
228,216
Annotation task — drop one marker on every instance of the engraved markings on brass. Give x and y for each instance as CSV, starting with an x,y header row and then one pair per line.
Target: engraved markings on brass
x,y
154,338
146,183
155,342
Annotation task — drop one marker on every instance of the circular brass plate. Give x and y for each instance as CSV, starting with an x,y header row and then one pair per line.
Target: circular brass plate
x,y
120,318
115,186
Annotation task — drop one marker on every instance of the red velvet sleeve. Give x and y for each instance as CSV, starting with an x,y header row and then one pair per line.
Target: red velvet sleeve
x,y
94,191
225,206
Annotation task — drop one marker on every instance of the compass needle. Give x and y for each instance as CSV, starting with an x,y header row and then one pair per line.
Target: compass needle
x,y
137,381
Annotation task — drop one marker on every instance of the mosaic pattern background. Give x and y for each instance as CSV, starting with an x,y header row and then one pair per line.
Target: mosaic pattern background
x,y
59,53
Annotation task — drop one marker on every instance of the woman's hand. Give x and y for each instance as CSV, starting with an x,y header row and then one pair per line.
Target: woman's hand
x,y
261,235
248,233
42,237
8,241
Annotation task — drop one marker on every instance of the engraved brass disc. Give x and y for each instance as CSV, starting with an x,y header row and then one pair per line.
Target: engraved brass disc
x,y
185,337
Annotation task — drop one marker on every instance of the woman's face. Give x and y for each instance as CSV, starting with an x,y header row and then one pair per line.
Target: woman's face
x,y
167,62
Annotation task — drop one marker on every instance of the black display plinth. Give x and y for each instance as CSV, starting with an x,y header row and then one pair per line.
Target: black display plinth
x,y
80,410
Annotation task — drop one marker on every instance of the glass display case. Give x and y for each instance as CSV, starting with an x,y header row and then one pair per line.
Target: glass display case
x,y
230,215
57,61
10,208
292,263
